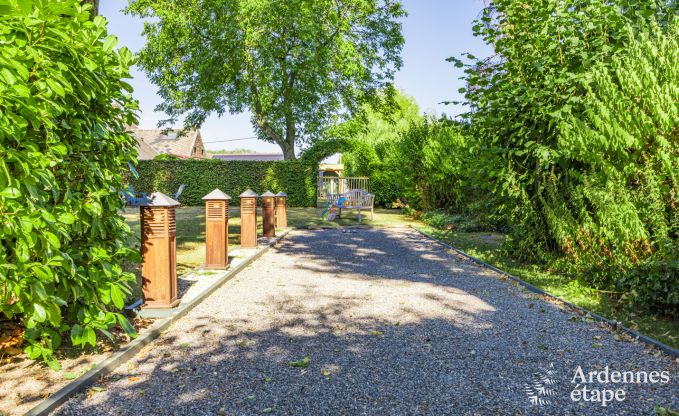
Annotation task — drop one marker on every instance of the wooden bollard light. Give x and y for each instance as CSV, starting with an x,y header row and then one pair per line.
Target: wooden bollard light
x,y
248,219
281,210
268,228
159,251
216,229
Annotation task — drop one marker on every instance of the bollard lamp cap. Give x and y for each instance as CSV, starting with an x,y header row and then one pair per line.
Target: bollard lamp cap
x,y
267,194
281,193
249,193
216,195
159,199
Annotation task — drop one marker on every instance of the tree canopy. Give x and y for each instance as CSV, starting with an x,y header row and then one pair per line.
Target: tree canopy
x,y
296,65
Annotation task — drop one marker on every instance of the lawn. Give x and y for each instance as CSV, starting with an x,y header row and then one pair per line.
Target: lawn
x,y
488,247
191,228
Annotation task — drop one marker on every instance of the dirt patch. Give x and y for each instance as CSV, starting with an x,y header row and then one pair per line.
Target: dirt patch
x,y
24,383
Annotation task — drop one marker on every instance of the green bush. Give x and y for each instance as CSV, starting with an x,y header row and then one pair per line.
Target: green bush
x,y
63,147
575,138
384,184
295,178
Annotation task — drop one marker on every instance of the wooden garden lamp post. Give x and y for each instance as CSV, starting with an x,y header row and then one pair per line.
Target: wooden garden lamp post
x,y
216,229
159,251
248,219
281,210
268,228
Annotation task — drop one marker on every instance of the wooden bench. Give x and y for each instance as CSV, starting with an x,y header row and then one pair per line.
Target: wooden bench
x,y
357,199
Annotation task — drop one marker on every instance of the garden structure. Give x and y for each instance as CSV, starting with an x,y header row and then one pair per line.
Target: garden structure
x,y
158,251
216,229
248,219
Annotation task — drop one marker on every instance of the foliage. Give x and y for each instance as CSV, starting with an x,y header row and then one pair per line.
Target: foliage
x,y
165,156
63,147
297,65
295,178
443,220
379,130
574,128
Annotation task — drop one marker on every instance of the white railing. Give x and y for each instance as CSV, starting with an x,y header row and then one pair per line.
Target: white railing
x,y
329,185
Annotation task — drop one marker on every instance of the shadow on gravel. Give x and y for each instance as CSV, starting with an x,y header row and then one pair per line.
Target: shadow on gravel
x,y
415,332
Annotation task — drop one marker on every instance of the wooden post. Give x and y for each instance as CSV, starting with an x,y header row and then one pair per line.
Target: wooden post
x,y
159,251
248,219
268,228
281,210
216,229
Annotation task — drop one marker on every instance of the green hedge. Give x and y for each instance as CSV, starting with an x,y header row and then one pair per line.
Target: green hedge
x,y
295,178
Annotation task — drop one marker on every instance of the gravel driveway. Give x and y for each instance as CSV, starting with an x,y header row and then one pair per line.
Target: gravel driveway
x,y
376,321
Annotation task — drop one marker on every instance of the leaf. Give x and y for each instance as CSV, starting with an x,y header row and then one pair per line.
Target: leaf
x,y
56,87
10,193
39,289
89,337
40,312
303,363
8,76
125,324
77,334
66,218
33,351
117,296
110,42
52,239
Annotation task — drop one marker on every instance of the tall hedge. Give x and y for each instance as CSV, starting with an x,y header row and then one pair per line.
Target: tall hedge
x,y
63,148
295,178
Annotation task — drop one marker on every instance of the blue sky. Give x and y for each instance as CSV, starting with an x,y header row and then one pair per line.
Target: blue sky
x,y
434,31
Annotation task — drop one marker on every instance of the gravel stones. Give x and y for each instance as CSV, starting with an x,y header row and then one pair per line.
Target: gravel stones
x,y
391,324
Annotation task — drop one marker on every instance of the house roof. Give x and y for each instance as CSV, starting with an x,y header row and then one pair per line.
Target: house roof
x,y
146,152
168,141
249,156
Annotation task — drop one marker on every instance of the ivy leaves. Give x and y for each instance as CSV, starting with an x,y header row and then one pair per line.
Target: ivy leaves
x,y
63,149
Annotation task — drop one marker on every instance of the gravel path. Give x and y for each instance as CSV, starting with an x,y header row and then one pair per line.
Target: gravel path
x,y
375,321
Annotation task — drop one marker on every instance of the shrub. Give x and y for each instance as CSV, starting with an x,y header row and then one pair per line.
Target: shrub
x,y
294,177
63,148
575,135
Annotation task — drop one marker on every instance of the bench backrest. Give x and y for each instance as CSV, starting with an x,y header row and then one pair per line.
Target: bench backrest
x,y
353,199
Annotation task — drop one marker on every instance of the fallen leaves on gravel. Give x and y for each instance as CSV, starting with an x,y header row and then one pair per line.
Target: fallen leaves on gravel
x,y
303,363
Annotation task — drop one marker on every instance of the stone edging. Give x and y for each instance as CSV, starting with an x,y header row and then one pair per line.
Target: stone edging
x,y
131,349
613,324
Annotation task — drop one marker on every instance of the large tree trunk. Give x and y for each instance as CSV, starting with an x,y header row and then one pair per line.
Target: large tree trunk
x,y
288,150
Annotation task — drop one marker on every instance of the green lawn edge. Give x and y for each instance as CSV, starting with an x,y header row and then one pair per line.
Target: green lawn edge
x,y
486,246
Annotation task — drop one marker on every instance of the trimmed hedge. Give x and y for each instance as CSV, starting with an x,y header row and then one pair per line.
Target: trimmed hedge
x,y
294,177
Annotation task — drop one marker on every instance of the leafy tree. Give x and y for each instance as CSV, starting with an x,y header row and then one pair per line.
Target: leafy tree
x,y
297,65
575,133
63,149
379,130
